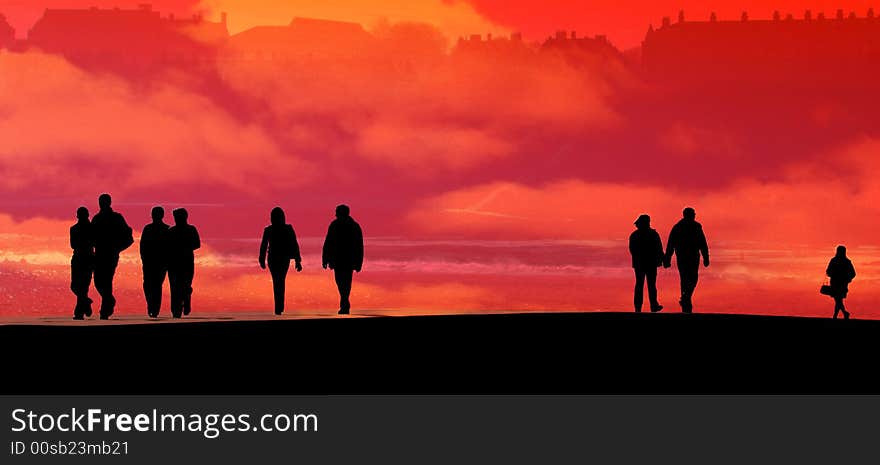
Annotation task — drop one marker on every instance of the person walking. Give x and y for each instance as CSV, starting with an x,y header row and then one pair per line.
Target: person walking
x,y
646,250
154,259
841,272
688,242
82,241
280,245
112,236
183,241
343,253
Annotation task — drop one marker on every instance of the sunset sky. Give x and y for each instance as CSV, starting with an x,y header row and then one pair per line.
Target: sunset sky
x,y
481,184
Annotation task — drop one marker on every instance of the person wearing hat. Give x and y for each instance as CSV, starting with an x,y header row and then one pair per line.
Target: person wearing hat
x,y
688,242
647,255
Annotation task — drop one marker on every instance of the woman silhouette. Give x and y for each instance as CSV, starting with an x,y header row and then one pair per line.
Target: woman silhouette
x,y
841,272
279,241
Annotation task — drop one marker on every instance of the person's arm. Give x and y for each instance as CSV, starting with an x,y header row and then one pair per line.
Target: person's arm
x,y
141,250
264,245
704,247
197,241
327,250
632,248
658,248
72,239
670,248
830,268
297,258
127,234
852,271
358,248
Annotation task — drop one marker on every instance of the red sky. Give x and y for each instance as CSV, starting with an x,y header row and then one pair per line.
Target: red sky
x,y
482,184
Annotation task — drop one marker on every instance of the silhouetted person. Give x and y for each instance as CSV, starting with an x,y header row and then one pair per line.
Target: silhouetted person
x,y
82,241
842,272
112,236
344,253
279,242
647,255
183,240
154,258
688,242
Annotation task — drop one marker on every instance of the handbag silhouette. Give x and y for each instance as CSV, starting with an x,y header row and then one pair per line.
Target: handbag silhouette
x,y
826,289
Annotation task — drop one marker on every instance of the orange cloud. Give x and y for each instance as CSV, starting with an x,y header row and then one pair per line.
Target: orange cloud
x,y
97,130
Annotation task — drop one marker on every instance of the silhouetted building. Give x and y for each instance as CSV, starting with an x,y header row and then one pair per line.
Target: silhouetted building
x,y
598,45
303,39
7,33
811,48
130,38
476,43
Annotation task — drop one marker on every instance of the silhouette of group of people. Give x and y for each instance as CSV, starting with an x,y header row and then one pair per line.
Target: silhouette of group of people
x,y
688,243
170,250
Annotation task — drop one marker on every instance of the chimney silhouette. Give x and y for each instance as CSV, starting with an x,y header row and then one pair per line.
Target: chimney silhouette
x,y
776,15
681,16
713,17
745,16
808,15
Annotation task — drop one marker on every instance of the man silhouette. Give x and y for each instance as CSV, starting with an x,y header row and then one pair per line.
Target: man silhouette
x,y
183,240
279,242
154,258
688,242
647,255
82,241
344,253
112,236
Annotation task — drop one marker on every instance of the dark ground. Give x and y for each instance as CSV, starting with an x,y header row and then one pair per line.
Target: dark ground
x,y
497,354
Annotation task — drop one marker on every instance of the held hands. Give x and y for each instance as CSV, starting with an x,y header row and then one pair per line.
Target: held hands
x,y
667,263
324,265
299,267
705,261
263,264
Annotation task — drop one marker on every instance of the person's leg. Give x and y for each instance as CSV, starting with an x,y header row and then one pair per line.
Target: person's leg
x,y
343,283
279,278
189,272
838,304
105,268
688,275
638,294
150,288
651,277
174,283
76,285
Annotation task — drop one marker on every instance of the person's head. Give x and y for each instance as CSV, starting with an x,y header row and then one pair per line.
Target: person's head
x,y
689,213
104,201
342,211
643,221
82,213
277,216
157,213
180,216
841,251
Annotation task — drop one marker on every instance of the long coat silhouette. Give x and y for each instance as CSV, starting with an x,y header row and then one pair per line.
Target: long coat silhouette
x,y
344,253
82,241
646,250
154,258
112,236
688,242
279,245
183,240
841,272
